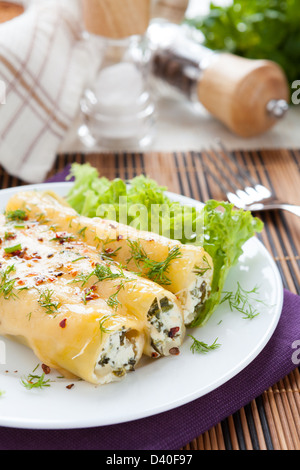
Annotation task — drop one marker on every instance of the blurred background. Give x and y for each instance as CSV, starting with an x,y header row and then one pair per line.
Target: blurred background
x,y
43,49
256,29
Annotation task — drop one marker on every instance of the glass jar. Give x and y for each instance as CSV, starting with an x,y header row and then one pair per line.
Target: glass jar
x,y
117,109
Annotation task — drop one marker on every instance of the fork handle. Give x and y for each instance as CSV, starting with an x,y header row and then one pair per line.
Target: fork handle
x,y
265,207
291,208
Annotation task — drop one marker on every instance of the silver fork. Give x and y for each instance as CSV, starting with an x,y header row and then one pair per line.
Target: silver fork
x,y
240,187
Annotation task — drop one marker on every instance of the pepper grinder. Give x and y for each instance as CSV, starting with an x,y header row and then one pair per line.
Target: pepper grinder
x,y
171,10
117,109
247,96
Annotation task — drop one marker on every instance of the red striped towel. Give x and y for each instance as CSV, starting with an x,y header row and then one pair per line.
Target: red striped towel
x,y
44,65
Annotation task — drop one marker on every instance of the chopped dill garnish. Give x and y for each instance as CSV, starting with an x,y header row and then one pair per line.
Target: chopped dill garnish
x,y
13,249
47,303
103,272
200,271
63,238
101,325
242,301
16,215
81,232
155,270
113,300
7,284
9,235
109,253
201,347
77,259
83,278
35,381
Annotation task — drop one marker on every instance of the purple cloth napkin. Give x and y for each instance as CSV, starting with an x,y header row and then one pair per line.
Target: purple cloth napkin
x,y
175,428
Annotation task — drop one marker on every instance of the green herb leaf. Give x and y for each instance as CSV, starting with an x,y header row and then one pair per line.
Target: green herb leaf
x,y
13,249
155,270
201,347
101,325
35,381
243,301
17,215
47,303
7,284
256,29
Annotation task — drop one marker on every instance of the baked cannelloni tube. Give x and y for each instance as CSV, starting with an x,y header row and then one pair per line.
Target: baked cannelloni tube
x,y
68,266
86,341
184,270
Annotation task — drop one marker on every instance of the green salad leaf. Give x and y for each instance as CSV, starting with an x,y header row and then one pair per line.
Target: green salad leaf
x,y
143,204
223,230
255,29
225,233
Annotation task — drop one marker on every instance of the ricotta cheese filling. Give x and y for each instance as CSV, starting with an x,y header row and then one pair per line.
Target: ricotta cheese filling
x,y
118,356
194,297
165,320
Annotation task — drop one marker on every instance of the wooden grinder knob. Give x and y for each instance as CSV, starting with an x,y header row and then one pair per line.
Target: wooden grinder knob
x,y
116,19
9,11
239,92
172,10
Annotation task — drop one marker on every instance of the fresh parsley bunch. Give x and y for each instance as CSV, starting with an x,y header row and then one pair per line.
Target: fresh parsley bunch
x,y
255,29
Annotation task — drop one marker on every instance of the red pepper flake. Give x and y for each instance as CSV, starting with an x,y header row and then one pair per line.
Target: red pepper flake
x,y
63,323
39,280
173,331
10,236
70,386
154,355
90,294
174,351
46,369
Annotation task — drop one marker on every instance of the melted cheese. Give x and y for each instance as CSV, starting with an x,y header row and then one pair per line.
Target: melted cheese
x,y
186,274
93,326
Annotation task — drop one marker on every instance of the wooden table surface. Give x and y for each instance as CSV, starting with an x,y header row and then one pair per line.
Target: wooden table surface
x,y
272,420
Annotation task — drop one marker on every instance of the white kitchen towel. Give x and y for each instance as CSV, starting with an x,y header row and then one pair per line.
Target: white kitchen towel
x,y
44,66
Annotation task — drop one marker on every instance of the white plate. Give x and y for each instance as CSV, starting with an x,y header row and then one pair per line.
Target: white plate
x,y
156,386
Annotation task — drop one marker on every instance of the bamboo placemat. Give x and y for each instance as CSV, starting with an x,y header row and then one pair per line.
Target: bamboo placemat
x,y
272,420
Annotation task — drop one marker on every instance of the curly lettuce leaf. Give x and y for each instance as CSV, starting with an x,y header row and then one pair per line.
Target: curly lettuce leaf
x,y
143,204
225,233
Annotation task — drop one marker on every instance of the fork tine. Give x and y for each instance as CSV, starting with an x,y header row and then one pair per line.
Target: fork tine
x,y
236,175
262,192
245,175
213,176
231,186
